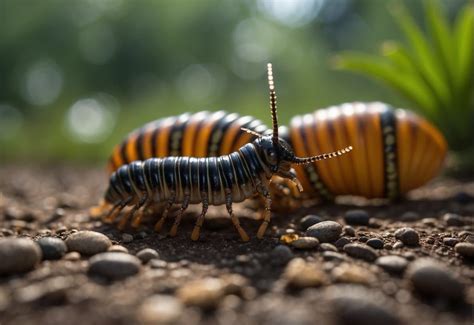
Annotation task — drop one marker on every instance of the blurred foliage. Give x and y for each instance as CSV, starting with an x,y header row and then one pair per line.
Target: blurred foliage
x,y
77,76
435,71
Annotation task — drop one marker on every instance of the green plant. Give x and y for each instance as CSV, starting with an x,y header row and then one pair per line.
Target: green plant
x,y
434,71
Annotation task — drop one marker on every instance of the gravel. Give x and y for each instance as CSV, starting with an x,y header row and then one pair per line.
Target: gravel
x,y
326,231
407,236
309,220
52,248
433,279
300,274
453,220
357,217
88,242
341,242
305,243
361,251
160,309
147,254
18,255
281,255
376,243
114,266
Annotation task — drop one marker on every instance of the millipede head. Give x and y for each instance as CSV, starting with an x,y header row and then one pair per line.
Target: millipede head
x,y
276,152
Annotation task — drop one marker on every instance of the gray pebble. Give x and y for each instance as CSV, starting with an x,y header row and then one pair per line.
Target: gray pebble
x,y
326,231
305,243
392,263
18,255
357,217
281,255
453,220
53,248
341,242
114,266
349,231
333,256
410,216
398,245
450,241
430,278
408,236
327,247
127,238
361,251
309,220
72,256
363,239
376,243
465,249
117,248
147,254
157,264
88,242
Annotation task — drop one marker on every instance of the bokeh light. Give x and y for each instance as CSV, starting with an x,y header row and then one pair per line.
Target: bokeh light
x,y
292,13
42,82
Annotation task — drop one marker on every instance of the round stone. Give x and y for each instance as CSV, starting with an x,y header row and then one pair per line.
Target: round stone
x,y
114,265
327,247
53,248
392,263
376,243
341,242
357,217
281,255
326,231
305,243
18,255
300,274
309,220
117,248
361,251
349,231
430,278
465,249
450,241
160,309
407,236
147,254
127,238
453,220
88,242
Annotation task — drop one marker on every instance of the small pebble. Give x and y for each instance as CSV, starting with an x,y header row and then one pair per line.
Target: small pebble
x,y
341,242
392,263
157,264
326,231
72,256
350,273
88,242
300,274
127,238
18,255
453,220
333,256
388,246
309,220
361,251
398,245
408,236
430,278
430,222
465,249
52,248
463,198
118,249
160,309
114,266
281,255
376,243
357,217
410,216
349,231
450,241
305,243
147,254
363,239
328,247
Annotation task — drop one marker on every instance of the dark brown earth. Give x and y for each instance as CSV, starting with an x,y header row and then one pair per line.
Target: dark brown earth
x,y
250,283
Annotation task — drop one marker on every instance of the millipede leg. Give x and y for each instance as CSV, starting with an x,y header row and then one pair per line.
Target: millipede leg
x,y
129,215
162,219
235,219
174,228
200,220
266,216
112,215
137,220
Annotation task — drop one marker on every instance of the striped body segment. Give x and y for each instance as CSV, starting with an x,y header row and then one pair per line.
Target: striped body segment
x,y
397,150
202,134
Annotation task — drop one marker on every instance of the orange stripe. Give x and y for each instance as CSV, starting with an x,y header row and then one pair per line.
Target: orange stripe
x,y
375,151
299,148
205,134
162,139
190,131
147,139
130,149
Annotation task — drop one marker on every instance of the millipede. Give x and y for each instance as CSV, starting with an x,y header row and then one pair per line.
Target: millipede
x,y
220,180
398,150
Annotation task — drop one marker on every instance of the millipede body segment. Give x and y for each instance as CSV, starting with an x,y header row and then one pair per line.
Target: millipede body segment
x,y
186,180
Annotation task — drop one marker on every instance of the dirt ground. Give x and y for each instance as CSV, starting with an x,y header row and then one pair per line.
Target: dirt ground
x,y
54,201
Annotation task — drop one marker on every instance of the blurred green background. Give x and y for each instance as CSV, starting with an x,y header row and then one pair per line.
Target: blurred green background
x,y
77,76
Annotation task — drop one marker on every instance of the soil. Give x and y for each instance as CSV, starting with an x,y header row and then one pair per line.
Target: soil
x,y
54,201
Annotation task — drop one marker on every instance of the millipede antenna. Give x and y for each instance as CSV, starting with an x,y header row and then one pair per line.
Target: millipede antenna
x,y
258,135
273,104
324,156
